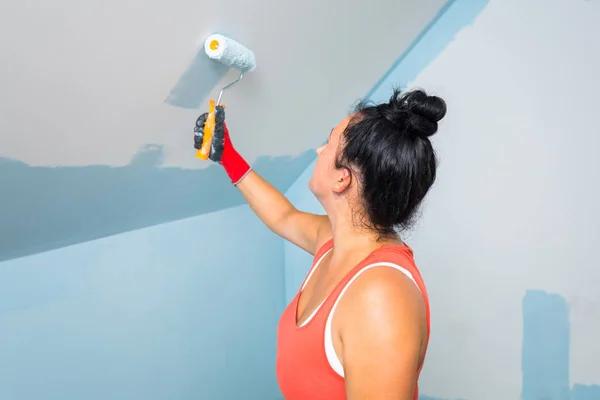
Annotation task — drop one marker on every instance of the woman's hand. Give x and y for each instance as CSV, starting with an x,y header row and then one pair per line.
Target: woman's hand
x,y
222,151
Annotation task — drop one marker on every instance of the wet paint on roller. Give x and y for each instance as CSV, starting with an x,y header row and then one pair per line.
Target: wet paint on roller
x,y
228,51
213,60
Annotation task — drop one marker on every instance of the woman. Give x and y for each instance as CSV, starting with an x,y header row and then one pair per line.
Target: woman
x,y
359,326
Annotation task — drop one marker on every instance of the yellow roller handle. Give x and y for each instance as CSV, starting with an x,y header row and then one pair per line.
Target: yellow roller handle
x,y
209,129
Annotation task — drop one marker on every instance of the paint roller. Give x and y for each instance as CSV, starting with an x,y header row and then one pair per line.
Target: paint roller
x,y
235,55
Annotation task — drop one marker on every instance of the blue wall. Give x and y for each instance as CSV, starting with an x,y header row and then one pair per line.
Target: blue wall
x,y
70,205
185,310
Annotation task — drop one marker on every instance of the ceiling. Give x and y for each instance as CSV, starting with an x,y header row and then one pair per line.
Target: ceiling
x,y
92,142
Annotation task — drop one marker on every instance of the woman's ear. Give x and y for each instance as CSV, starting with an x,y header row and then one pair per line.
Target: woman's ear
x,y
343,180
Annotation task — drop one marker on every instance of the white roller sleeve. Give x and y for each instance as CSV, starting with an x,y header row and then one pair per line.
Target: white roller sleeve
x,y
230,52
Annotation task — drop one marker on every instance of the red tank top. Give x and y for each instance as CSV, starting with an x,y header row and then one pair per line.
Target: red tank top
x,y
303,371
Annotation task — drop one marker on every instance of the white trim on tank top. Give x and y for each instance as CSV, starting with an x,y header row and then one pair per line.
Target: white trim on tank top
x,y
332,357
306,281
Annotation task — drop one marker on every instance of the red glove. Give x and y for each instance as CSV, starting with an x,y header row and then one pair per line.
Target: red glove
x,y
222,151
235,166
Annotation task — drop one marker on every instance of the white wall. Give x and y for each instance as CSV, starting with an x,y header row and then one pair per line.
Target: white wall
x,y
185,310
516,204
507,241
90,83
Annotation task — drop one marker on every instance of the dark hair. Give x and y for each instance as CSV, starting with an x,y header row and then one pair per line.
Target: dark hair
x,y
388,146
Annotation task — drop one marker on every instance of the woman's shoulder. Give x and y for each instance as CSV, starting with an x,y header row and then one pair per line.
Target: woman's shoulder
x,y
386,299
388,279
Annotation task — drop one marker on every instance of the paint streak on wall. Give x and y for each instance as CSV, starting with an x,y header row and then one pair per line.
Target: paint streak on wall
x,y
546,339
545,355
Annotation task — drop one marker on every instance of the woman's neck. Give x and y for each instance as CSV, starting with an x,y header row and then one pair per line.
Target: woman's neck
x,y
350,240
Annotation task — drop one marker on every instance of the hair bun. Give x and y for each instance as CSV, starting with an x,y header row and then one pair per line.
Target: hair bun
x,y
431,107
417,111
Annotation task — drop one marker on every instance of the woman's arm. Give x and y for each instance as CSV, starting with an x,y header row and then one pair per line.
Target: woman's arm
x,y
306,230
383,331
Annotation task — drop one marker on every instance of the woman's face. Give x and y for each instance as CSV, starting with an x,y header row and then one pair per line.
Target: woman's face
x,y
325,175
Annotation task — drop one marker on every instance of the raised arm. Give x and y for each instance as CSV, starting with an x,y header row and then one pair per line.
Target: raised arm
x,y
307,231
